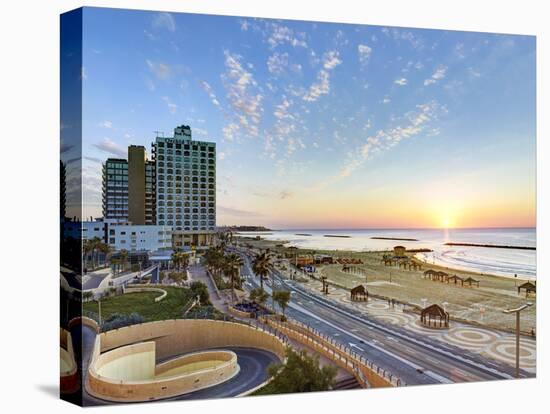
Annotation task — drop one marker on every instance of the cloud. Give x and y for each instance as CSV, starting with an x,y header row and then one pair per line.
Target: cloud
x,y
106,124
331,59
364,54
208,89
281,34
438,74
283,195
221,156
242,93
415,122
172,107
93,159
230,131
161,70
386,100
109,146
281,110
236,212
164,21
277,63
400,82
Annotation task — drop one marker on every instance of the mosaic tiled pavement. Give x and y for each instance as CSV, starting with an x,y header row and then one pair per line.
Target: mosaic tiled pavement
x,y
488,342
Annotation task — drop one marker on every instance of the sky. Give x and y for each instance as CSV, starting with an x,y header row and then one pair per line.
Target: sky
x,y
321,125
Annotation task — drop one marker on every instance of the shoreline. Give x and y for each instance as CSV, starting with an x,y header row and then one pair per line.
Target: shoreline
x,y
470,272
301,250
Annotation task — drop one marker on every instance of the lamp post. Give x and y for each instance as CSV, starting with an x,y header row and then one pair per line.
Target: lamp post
x,y
517,311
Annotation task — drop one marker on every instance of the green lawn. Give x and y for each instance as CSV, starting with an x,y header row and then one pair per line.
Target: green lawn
x,y
144,303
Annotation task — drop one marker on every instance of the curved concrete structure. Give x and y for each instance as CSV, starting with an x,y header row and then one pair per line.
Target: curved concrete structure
x,y
122,366
137,289
68,372
129,373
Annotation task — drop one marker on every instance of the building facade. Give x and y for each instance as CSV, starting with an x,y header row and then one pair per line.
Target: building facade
x,y
115,189
186,187
135,238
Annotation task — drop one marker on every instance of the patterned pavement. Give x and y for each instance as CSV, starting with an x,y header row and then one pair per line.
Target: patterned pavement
x,y
488,342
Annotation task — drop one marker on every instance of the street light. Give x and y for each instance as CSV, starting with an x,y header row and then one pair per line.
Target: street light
x,y
517,312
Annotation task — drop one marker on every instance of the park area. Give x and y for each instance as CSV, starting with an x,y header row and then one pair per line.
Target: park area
x,y
173,306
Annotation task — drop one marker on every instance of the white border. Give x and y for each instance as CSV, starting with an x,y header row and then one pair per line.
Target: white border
x,y
30,147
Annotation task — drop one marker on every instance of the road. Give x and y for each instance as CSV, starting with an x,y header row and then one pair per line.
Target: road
x,y
253,365
414,358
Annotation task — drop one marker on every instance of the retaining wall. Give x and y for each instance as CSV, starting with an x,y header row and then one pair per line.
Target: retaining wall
x,y
169,339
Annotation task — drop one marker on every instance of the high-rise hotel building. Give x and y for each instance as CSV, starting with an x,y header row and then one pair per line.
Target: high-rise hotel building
x,y
186,187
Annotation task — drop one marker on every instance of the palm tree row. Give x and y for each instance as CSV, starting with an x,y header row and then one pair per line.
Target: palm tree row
x,y
94,247
180,260
228,264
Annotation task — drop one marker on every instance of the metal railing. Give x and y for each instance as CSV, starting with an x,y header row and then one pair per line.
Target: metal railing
x,y
340,353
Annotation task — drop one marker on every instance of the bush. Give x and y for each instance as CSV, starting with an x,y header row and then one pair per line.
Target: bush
x,y
119,320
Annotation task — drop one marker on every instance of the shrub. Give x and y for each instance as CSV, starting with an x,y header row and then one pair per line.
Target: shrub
x,y
119,320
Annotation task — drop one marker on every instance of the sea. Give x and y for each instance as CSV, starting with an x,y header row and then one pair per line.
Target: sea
x,y
488,260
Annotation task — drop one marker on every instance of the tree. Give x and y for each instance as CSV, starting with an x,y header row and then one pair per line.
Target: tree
x,y
261,266
301,373
87,295
258,295
282,297
233,264
201,290
123,257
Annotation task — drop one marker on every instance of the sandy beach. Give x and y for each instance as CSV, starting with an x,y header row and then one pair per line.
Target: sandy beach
x,y
479,305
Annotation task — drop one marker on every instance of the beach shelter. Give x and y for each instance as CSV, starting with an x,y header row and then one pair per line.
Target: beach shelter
x,y
471,281
434,316
455,279
529,287
359,293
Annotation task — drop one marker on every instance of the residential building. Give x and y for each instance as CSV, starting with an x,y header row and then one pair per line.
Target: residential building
x,y
115,189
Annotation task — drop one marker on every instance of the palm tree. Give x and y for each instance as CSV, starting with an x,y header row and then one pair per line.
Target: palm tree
x,y
87,248
123,256
262,266
233,264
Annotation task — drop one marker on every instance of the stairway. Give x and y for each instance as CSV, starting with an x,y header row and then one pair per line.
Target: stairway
x,y
349,383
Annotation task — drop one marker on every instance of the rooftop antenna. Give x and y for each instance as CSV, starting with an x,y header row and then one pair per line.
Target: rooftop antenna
x,y
159,133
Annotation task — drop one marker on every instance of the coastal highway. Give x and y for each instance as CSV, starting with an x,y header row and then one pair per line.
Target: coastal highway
x,y
411,356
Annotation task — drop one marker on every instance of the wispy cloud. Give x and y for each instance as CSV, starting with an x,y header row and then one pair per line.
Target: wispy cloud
x,y
164,21
279,34
161,70
172,107
414,123
242,93
438,74
236,212
109,146
400,81
364,54
331,59
106,124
